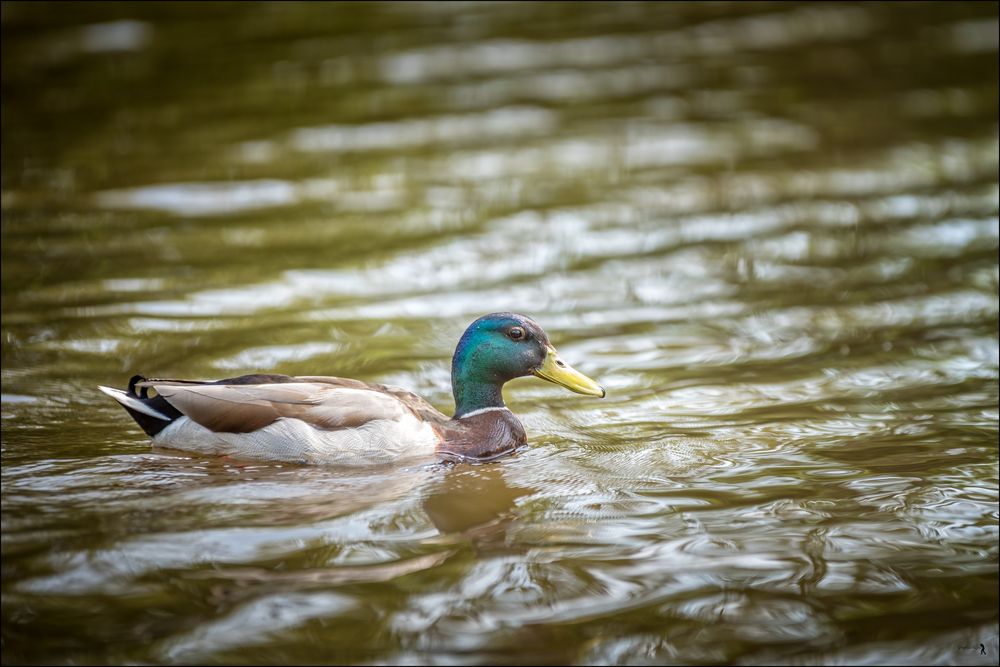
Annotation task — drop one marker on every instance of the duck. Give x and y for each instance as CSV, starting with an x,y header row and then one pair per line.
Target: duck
x,y
327,420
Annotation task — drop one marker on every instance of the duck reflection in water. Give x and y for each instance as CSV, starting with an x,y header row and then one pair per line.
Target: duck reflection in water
x,y
472,500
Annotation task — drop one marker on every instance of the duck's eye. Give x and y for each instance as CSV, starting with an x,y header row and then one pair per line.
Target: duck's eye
x,y
517,333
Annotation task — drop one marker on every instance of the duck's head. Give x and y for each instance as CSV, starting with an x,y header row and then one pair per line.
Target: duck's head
x,y
502,346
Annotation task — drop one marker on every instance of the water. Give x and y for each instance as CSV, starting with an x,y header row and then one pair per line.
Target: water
x,y
770,230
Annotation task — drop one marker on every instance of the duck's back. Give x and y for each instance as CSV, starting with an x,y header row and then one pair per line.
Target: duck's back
x,y
313,419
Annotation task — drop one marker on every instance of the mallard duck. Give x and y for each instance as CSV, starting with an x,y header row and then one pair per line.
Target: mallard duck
x,y
331,420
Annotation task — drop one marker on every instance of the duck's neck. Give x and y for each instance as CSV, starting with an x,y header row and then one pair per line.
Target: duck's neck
x,y
476,378
472,394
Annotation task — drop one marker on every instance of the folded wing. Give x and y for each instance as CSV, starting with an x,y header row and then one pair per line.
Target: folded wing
x,y
243,408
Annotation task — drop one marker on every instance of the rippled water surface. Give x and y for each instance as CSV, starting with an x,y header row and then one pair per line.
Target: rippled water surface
x,y
769,229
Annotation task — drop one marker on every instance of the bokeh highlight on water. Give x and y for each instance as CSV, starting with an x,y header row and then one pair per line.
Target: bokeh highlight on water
x,y
769,229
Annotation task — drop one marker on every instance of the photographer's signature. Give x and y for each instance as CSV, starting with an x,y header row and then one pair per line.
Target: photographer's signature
x,y
981,648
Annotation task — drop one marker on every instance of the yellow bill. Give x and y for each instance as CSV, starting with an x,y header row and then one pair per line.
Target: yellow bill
x,y
557,371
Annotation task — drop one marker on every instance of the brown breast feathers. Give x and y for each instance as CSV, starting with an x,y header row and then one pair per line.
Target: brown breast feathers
x,y
484,436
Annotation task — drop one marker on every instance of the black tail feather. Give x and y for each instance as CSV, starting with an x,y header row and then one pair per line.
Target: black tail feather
x,y
151,425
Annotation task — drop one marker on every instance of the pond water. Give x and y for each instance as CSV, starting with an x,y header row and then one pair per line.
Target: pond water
x,y
769,229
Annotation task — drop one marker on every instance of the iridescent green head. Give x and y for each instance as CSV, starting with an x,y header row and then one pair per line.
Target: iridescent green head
x,y
502,346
